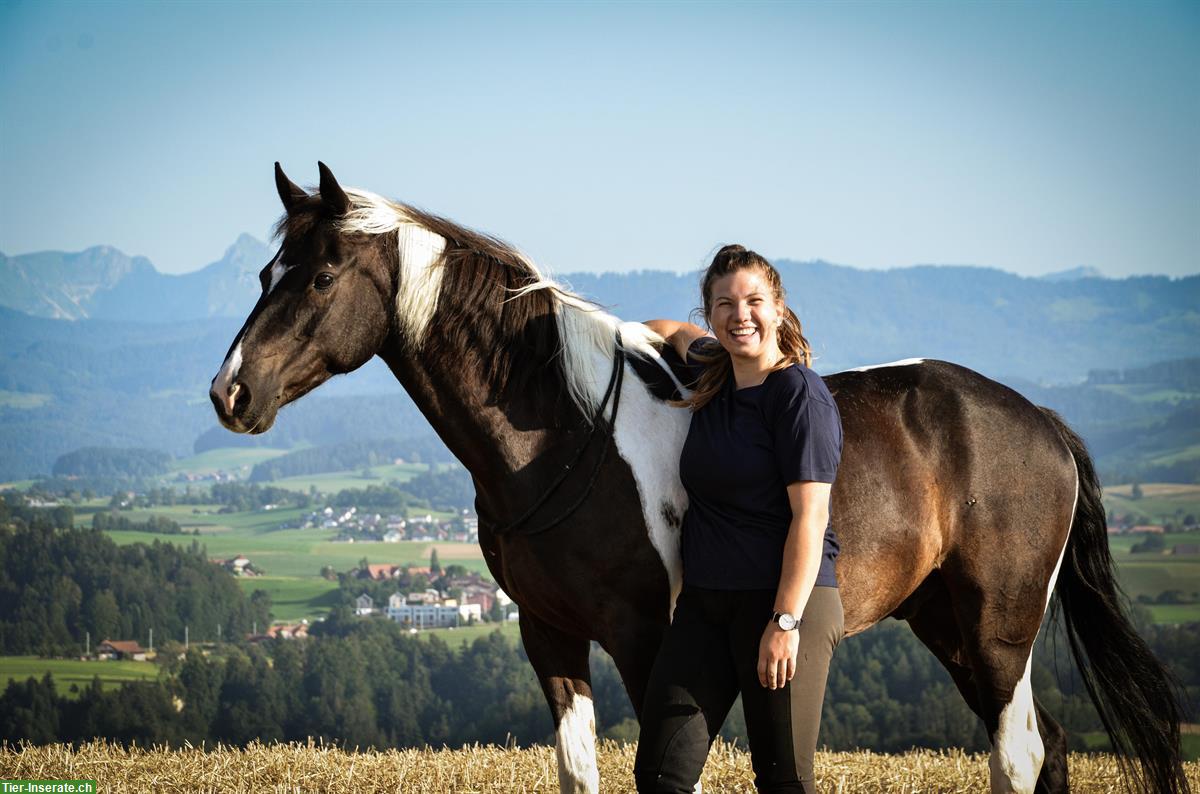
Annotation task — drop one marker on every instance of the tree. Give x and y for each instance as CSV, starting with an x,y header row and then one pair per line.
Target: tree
x,y
1136,491
435,568
1153,543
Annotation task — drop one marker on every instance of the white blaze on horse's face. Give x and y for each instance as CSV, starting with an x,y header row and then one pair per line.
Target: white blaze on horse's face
x,y
278,270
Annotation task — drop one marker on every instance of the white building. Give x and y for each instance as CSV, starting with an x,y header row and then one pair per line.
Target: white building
x,y
430,615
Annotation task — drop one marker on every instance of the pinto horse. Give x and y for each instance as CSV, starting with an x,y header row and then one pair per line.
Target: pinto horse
x,y
960,507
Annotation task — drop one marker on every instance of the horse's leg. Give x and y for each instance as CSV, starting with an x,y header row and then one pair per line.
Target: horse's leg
x,y
1053,777
998,614
633,651
1031,741
561,663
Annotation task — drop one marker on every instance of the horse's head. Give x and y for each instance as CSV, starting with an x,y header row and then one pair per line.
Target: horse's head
x,y
325,309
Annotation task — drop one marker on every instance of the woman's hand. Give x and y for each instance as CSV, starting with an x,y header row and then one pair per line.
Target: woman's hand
x,y
777,656
678,335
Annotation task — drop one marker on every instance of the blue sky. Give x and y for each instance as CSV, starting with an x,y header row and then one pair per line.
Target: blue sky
x,y
1031,137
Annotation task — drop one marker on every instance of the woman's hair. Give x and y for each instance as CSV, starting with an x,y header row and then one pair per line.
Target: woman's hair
x,y
790,337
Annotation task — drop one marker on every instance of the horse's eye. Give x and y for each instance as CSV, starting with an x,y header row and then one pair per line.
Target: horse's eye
x,y
323,281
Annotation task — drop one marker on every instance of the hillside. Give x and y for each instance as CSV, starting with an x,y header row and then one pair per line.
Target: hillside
x,y
135,371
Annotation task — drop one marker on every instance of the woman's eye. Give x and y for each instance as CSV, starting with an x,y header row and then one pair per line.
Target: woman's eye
x,y
323,281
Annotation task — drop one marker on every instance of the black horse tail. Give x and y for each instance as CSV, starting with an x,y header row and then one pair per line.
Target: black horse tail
x,y
1134,694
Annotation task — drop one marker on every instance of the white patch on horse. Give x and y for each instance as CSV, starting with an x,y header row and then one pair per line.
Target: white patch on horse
x,y
905,362
420,280
575,743
228,372
649,433
277,271
1017,749
420,252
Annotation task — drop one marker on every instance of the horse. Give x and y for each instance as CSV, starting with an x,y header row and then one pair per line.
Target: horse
x,y
960,507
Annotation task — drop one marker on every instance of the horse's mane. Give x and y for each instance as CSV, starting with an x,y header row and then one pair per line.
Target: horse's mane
x,y
478,280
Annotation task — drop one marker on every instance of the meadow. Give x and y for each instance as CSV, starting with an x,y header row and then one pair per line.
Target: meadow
x,y
293,558
1160,502
318,767
68,672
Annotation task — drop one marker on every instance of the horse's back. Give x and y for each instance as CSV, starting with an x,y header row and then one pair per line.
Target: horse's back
x,y
945,469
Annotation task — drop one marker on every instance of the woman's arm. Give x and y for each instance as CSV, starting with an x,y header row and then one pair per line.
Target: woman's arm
x,y
678,334
801,562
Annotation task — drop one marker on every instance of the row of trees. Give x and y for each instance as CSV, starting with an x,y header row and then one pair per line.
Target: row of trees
x,y
351,455
58,584
160,525
367,683
112,462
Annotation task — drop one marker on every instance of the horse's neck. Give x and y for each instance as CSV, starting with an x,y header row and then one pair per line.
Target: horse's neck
x,y
494,439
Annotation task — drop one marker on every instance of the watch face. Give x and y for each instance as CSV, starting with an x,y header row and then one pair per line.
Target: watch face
x,y
786,621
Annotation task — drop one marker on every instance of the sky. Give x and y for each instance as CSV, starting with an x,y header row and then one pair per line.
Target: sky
x,y
1032,137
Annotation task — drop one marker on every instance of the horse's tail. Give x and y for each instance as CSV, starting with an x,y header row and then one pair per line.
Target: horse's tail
x,y
1132,691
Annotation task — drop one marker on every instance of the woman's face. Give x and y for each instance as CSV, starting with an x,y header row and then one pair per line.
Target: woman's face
x,y
745,316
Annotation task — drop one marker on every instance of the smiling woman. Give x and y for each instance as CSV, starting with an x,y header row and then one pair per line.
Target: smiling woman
x,y
760,600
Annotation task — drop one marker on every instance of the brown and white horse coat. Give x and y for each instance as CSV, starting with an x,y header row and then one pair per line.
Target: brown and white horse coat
x,y
952,506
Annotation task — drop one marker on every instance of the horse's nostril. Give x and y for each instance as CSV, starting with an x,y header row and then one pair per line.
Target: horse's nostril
x,y
239,398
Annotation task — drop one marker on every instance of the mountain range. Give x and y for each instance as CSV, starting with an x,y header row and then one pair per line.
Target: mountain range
x,y
102,349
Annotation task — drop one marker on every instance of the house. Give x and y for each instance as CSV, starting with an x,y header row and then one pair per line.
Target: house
x,y
428,596
1147,529
364,605
393,536
1186,548
286,631
121,649
381,572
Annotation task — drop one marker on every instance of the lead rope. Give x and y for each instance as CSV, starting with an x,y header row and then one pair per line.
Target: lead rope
x,y
613,392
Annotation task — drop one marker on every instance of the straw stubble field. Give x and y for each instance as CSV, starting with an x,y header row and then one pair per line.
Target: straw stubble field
x,y
303,768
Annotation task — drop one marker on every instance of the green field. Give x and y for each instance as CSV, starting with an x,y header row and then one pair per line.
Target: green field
x,y
293,597
73,671
1146,392
286,555
333,482
228,459
468,634
1159,504
1151,573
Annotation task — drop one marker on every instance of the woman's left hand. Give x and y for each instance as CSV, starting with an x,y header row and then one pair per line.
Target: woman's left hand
x,y
777,656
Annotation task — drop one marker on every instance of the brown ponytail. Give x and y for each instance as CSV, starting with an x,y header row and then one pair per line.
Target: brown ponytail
x,y
717,365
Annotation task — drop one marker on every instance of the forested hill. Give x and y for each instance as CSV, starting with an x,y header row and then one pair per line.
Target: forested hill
x,y
995,322
129,382
1055,328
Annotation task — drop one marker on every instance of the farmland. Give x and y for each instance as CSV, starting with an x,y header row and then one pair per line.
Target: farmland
x,y
488,768
292,558
73,672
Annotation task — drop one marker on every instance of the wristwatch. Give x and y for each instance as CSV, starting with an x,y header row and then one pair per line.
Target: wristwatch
x,y
786,620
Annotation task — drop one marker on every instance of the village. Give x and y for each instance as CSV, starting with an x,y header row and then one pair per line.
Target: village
x,y
365,527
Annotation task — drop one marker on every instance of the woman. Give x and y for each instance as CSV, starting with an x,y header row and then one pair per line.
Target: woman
x,y
759,612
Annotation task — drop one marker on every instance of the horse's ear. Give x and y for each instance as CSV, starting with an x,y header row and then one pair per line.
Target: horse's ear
x,y
289,193
331,192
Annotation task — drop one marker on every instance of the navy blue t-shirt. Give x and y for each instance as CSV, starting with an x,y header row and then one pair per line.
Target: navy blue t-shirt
x,y
742,451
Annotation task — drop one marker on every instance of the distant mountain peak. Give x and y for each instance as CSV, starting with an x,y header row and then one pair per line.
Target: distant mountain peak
x,y
1073,274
